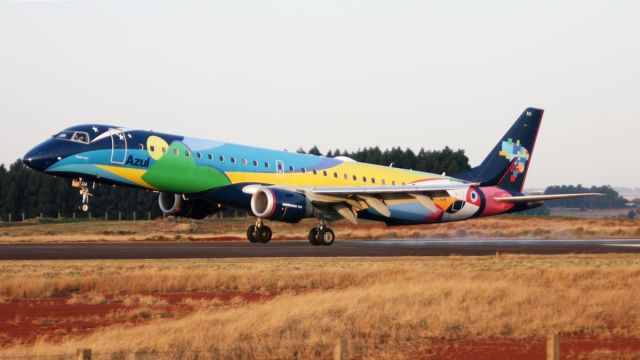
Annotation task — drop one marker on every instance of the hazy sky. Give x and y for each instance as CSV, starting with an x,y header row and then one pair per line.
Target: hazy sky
x,y
337,74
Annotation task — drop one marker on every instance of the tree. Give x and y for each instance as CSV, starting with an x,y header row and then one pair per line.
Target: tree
x,y
315,151
610,200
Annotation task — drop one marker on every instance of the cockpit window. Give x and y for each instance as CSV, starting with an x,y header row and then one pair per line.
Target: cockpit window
x,y
80,137
64,135
76,136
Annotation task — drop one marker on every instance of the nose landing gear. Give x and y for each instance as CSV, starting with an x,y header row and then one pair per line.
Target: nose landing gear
x,y
85,191
259,233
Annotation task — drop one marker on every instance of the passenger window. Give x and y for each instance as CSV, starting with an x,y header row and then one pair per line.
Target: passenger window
x,y
266,164
176,152
355,178
324,172
221,158
199,155
315,172
346,176
373,180
187,153
292,168
210,157
384,182
304,170
164,150
233,159
141,147
364,178
245,162
335,175
151,148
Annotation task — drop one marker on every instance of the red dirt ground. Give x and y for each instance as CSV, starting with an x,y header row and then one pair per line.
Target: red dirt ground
x,y
25,320
571,347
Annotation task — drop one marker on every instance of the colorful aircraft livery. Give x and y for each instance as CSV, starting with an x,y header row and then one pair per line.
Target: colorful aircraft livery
x,y
196,178
515,151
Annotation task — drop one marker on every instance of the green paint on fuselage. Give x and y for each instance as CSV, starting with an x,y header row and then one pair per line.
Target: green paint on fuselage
x,y
180,174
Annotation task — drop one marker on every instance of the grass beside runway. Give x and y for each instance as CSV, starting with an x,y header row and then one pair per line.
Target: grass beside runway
x,y
391,307
504,227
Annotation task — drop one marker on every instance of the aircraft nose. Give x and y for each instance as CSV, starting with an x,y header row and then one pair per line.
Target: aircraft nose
x,y
40,157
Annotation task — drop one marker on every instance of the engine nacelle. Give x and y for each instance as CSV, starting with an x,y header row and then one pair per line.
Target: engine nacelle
x,y
280,205
176,205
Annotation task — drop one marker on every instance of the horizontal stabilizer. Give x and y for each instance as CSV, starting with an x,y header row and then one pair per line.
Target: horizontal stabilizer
x,y
534,198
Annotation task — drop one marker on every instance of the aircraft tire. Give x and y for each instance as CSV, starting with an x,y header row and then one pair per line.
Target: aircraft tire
x,y
313,236
326,237
251,234
264,234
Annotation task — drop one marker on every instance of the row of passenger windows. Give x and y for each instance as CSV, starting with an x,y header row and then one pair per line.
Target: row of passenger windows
x,y
267,165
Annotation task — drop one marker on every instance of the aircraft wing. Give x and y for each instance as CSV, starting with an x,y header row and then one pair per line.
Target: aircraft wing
x,y
403,189
348,200
535,198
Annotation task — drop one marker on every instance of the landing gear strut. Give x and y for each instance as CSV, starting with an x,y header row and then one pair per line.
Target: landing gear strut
x,y
321,235
259,233
85,192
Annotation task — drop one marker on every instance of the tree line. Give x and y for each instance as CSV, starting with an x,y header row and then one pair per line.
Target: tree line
x,y
446,161
28,192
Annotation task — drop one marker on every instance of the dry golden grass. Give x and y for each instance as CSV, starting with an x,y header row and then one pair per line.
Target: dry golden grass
x,y
90,298
143,300
235,229
376,303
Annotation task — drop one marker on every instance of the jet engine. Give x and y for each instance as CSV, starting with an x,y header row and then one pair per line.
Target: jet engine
x,y
280,205
177,205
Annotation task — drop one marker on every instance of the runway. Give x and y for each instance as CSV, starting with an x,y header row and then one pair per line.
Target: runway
x,y
351,248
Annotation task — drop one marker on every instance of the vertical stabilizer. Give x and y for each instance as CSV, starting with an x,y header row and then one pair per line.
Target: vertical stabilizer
x,y
507,164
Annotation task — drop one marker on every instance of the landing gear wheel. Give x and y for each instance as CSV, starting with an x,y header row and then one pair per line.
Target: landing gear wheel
x,y
259,234
83,207
326,237
264,234
251,234
313,236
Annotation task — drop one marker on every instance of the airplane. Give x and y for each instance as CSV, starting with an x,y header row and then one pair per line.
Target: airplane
x,y
196,178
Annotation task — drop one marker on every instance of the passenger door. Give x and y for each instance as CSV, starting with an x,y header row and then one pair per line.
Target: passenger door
x,y
118,146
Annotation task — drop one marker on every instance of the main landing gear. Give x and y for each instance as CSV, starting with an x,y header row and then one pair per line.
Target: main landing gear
x,y
259,233
85,192
321,235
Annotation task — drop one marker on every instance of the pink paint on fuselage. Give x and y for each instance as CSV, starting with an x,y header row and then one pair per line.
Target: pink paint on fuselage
x,y
493,207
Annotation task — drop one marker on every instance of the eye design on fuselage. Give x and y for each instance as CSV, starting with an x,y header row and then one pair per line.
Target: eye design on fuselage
x,y
473,197
155,145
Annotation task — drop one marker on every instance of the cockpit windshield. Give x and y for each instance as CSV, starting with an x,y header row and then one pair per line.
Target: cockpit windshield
x,y
75,136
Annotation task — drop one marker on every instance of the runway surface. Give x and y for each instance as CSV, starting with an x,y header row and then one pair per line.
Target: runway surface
x,y
351,248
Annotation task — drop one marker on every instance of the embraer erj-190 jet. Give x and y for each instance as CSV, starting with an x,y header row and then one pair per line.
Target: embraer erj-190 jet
x,y
196,178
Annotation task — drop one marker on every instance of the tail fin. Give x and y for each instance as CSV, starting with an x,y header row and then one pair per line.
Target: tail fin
x,y
507,164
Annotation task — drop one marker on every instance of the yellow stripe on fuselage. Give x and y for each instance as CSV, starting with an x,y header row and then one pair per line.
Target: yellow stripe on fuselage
x,y
336,176
133,175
